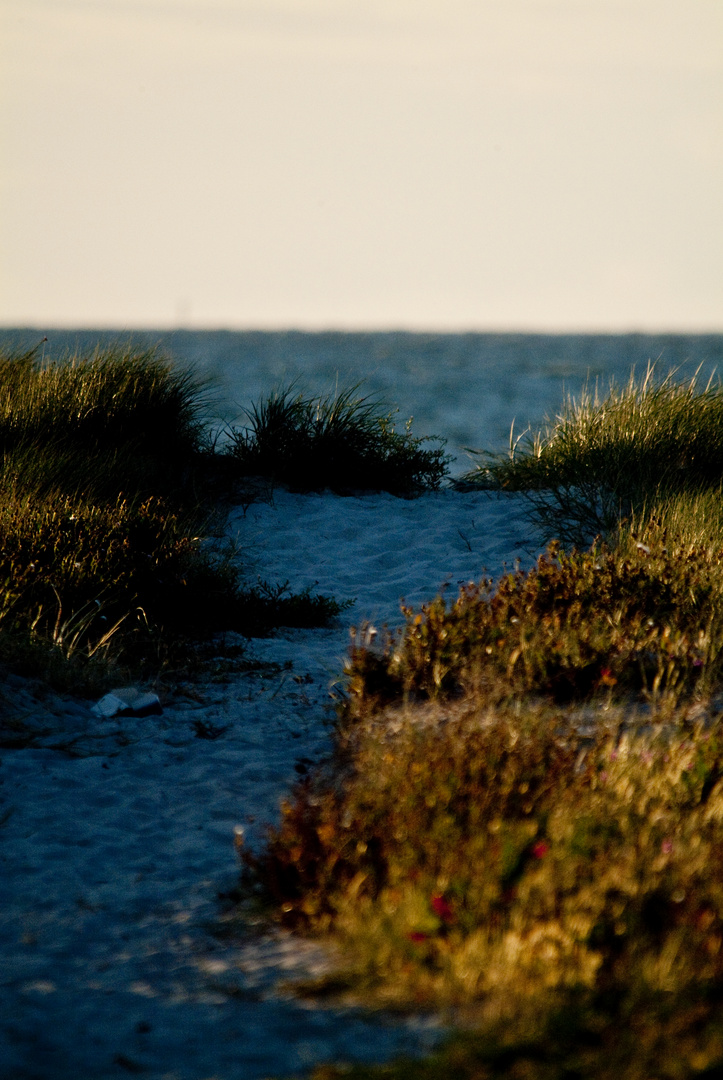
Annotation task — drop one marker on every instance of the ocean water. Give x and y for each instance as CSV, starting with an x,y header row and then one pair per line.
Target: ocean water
x,y
466,388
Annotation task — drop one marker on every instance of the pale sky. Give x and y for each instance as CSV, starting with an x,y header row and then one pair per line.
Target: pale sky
x,y
412,164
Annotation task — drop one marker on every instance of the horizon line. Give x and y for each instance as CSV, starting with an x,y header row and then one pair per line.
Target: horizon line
x,y
391,328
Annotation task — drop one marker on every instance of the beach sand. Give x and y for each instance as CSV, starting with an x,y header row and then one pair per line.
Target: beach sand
x,y
117,836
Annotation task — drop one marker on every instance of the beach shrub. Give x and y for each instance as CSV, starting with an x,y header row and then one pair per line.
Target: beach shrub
x,y
574,1041
341,441
523,818
602,458
495,861
641,617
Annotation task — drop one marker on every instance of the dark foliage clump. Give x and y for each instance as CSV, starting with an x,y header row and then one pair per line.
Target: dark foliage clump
x,y
343,442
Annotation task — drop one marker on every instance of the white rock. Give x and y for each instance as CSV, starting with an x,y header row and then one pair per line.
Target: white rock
x,y
127,701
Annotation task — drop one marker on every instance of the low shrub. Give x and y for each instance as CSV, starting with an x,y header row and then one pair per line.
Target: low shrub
x,y
641,617
523,819
497,862
343,441
574,1041
265,606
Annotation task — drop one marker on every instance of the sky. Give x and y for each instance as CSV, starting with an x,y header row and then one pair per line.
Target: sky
x,y
551,165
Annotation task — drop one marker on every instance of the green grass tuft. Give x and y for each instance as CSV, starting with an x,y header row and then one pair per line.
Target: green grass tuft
x,y
120,421
603,458
342,441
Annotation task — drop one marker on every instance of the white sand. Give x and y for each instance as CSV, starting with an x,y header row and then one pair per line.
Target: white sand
x,y
111,861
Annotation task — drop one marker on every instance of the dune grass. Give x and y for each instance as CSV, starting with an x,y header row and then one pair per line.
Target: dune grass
x,y
523,820
342,441
604,457
119,421
108,486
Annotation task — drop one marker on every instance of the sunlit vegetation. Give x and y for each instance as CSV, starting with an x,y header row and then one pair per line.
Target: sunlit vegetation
x,y
522,825
111,493
605,456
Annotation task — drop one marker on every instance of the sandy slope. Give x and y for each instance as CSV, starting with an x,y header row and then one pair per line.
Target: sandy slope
x,y
111,860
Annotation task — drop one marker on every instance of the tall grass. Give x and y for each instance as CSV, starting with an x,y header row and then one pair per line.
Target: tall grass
x,y
97,513
120,421
341,441
603,457
108,481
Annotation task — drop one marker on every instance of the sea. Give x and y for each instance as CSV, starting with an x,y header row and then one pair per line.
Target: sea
x,y
474,390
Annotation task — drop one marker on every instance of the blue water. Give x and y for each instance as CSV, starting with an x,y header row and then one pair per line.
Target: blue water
x,y
467,388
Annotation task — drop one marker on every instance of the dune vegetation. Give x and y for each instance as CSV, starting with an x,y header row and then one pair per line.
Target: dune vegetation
x,y
603,458
343,441
111,499
522,822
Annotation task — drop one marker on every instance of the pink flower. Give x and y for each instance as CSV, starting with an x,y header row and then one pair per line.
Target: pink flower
x,y
441,908
666,847
417,935
540,849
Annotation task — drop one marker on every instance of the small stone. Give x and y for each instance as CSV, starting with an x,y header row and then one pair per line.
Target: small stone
x,y
127,701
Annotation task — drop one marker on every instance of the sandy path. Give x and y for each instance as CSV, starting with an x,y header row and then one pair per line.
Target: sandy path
x,y
111,862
